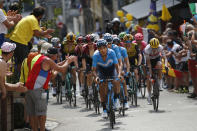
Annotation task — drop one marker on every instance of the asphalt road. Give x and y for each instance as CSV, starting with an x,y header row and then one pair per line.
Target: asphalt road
x,y
176,113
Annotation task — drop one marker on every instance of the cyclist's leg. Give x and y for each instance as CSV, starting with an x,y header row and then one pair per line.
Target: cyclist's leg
x,y
125,88
74,77
76,62
116,85
54,84
81,80
159,66
136,75
89,82
103,95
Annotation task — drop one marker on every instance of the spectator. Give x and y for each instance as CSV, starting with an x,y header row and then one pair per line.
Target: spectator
x,y
37,83
6,22
7,53
24,31
192,64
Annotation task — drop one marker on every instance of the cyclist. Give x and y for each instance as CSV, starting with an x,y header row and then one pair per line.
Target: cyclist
x,y
79,52
154,52
108,37
55,41
68,49
139,40
126,66
134,54
88,51
121,36
104,65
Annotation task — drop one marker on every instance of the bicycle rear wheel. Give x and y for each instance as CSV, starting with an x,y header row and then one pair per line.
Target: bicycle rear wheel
x,y
58,93
156,96
75,97
142,86
68,88
135,91
111,115
122,110
60,90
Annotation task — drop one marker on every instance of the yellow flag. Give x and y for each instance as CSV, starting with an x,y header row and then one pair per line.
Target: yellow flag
x,y
166,16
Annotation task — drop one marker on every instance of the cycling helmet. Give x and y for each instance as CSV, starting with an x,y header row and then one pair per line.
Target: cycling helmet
x,y
55,41
116,40
121,35
154,43
80,40
101,42
128,37
139,36
70,37
108,37
89,38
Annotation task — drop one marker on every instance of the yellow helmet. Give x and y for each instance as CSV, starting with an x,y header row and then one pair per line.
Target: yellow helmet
x,y
128,37
71,37
154,43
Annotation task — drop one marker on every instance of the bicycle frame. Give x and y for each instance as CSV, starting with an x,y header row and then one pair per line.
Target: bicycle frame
x,y
69,86
110,101
110,93
132,93
155,95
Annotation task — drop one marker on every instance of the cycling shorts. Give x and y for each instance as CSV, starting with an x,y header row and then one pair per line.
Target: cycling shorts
x,y
133,61
154,61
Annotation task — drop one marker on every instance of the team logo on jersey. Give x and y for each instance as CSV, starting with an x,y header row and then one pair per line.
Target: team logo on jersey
x,y
108,63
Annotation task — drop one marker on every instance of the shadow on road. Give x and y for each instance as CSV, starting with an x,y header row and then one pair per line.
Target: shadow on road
x,y
71,107
108,128
132,106
93,115
159,111
86,110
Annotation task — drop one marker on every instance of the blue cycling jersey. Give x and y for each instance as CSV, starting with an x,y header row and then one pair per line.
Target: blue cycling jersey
x,y
105,68
115,48
123,52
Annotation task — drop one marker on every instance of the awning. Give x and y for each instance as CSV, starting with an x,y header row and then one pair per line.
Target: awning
x,y
141,8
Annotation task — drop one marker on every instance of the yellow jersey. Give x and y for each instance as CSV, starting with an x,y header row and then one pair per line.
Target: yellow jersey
x,y
133,50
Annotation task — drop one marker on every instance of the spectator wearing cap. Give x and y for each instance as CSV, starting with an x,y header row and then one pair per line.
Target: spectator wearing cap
x,y
7,53
37,83
24,31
